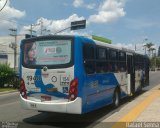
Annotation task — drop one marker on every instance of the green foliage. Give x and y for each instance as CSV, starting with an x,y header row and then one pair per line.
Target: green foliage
x,y
7,75
149,47
158,62
7,89
155,62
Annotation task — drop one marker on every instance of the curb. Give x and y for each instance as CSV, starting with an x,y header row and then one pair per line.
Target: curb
x,y
7,92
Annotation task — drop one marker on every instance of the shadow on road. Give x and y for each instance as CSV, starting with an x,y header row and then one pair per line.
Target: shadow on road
x,y
68,120
46,120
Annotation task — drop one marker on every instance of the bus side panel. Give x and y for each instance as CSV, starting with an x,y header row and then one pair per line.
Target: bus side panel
x,y
78,70
96,90
100,89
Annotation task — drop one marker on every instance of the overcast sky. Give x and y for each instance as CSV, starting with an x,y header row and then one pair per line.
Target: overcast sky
x,y
125,22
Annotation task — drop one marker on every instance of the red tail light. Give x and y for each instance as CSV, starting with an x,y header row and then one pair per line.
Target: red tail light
x,y
23,89
73,90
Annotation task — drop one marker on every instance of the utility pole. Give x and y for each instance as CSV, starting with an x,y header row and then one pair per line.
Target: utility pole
x,y
144,45
41,23
34,25
155,59
42,29
31,29
14,45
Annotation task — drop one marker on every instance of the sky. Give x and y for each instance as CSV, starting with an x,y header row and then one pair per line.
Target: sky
x,y
126,22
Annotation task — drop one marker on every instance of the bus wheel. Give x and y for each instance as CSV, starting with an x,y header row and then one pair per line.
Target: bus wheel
x,y
116,98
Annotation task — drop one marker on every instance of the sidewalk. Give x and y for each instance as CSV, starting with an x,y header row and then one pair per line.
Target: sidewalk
x,y
141,112
152,112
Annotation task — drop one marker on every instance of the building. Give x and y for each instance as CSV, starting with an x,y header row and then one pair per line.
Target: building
x,y
7,50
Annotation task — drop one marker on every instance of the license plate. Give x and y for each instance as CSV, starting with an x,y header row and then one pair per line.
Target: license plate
x,y
32,105
45,98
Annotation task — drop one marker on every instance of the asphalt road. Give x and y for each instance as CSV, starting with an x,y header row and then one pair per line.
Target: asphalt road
x,y
11,111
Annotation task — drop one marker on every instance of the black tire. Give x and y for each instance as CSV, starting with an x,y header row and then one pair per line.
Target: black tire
x,y
116,98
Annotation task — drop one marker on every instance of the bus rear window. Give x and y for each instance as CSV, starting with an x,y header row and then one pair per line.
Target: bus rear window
x,y
47,52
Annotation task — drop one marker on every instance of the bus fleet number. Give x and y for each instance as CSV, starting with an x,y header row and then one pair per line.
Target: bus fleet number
x,y
35,78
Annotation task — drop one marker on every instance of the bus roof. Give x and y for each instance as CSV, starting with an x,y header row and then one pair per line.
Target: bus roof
x,y
113,46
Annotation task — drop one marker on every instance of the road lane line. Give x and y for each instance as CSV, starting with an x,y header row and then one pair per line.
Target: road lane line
x,y
137,110
3,105
8,93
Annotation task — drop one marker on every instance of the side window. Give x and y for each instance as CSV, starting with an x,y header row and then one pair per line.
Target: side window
x,y
138,62
89,58
101,60
122,61
101,54
88,52
113,57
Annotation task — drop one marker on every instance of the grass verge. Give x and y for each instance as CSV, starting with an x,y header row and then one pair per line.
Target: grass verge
x,y
7,89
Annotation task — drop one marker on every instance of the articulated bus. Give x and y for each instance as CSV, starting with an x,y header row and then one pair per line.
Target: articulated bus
x,y
76,74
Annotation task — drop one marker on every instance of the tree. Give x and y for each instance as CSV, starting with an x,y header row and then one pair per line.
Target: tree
x,y
159,51
155,62
158,62
151,50
149,47
6,75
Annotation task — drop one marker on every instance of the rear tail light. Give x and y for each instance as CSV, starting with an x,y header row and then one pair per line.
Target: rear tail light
x,y
23,89
73,90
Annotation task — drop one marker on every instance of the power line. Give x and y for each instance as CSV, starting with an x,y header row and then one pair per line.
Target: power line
x,y
13,21
25,24
4,5
19,22
14,45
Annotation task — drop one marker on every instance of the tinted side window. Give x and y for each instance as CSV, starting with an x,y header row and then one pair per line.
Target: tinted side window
x,y
113,60
88,52
101,53
89,58
113,55
122,61
138,62
101,60
122,56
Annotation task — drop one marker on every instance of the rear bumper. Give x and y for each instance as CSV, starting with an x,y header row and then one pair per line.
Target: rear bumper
x,y
73,107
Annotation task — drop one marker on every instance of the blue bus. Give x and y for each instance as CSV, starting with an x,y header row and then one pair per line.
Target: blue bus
x,y
76,74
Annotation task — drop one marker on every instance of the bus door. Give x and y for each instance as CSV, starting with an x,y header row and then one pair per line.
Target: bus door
x,y
130,74
146,63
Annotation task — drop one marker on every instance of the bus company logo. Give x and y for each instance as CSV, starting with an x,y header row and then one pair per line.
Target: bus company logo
x,y
93,84
54,79
49,50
